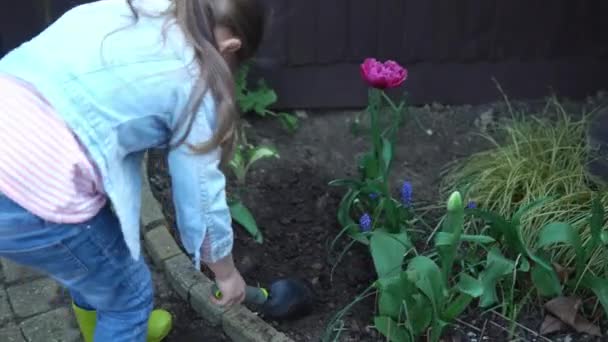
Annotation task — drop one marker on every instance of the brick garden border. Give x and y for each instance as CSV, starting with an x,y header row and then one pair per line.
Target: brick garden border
x,y
239,323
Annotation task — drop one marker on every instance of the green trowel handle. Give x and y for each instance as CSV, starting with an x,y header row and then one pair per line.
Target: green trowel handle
x,y
253,295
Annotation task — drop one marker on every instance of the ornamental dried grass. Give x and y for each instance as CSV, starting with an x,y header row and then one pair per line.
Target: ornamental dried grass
x,y
538,156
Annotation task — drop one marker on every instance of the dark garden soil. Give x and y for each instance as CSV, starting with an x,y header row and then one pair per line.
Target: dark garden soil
x,y
296,211
296,236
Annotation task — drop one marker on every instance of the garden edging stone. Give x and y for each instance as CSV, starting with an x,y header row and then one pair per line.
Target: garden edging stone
x,y
239,323
164,246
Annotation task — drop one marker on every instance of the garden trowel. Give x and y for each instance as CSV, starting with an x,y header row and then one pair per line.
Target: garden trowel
x,y
285,299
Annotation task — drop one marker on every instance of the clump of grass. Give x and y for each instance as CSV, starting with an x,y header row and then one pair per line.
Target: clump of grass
x,y
536,157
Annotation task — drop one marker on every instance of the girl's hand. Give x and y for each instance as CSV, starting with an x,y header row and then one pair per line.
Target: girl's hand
x,y
229,281
232,288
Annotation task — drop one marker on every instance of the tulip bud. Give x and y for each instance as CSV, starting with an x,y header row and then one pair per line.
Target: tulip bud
x,y
455,201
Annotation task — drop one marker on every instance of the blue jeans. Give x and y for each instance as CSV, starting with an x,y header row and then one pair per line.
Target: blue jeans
x,y
91,260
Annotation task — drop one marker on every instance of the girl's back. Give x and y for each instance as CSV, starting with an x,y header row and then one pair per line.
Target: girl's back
x,y
89,95
119,84
131,67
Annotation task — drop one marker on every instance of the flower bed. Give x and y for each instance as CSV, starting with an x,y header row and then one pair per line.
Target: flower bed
x,y
449,277
296,208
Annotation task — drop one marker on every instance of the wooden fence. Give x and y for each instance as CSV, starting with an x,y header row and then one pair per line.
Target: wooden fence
x,y
453,48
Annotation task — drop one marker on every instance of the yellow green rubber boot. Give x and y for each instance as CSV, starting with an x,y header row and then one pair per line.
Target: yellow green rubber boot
x,y
159,324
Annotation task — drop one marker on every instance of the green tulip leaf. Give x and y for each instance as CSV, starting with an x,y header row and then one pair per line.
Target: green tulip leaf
x,y
289,121
261,152
446,239
388,252
457,307
563,233
523,265
599,286
546,281
391,330
351,183
243,216
344,209
470,286
516,219
427,277
497,266
387,153
419,313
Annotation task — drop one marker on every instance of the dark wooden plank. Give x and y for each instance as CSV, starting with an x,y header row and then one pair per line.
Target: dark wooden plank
x,y
418,46
390,29
556,15
19,24
301,31
478,18
339,86
597,29
59,7
601,36
332,31
520,34
274,49
503,27
447,29
479,23
570,41
577,33
363,29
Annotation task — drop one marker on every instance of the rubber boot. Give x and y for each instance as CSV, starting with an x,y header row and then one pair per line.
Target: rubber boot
x,y
87,319
159,324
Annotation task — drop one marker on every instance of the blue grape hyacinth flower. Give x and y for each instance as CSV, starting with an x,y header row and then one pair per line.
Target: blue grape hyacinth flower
x,y
365,222
373,196
472,205
406,193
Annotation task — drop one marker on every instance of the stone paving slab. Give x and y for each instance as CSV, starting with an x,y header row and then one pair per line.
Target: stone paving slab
x,y
6,314
33,297
55,320
58,325
14,272
11,333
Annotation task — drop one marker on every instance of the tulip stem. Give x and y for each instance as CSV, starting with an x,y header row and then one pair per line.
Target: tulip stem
x,y
390,102
375,104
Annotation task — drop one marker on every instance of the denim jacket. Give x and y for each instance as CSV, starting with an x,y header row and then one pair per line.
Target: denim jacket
x,y
121,87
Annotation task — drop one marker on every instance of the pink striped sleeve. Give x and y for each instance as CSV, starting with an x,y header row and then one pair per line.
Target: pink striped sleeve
x,y
43,167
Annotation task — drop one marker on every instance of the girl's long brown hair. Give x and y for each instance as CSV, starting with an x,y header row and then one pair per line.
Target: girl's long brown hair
x,y
198,20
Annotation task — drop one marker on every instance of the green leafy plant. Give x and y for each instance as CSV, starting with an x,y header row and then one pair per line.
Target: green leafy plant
x,y
539,231
371,194
533,157
368,212
425,296
245,156
460,286
430,294
537,262
543,208
259,99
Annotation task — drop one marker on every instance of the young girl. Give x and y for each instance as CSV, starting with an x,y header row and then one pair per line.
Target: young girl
x,y
79,106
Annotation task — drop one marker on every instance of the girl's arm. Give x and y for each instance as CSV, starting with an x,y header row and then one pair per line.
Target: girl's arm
x,y
198,185
203,216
